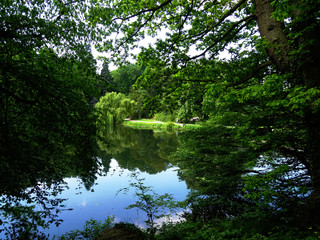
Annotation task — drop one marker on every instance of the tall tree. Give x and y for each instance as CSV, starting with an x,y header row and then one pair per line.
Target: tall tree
x,y
125,76
106,80
47,74
268,89
47,77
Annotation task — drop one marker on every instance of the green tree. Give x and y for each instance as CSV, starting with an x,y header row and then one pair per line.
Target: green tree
x,y
47,125
267,90
141,110
153,86
153,204
113,108
44,106
106,83
125,76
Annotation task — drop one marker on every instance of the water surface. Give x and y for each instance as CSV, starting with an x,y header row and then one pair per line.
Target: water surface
x,y
126,151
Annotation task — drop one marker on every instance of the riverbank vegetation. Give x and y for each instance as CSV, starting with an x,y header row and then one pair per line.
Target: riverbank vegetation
x,y
249,70
152,124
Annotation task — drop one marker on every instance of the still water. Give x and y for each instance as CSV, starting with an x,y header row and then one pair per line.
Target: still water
x,y
103,200
128,150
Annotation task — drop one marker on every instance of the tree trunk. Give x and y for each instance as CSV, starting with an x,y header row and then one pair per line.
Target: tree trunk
x,y
272,31
305,71
311,78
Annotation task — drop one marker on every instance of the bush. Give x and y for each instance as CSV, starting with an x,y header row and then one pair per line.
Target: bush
x,y
165,117
90,231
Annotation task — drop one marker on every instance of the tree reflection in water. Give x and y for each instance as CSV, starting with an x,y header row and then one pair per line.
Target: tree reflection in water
x,y
32,177
30,200
134,149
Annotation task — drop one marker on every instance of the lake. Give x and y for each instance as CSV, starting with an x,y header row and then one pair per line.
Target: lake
x,y
124,152
103,200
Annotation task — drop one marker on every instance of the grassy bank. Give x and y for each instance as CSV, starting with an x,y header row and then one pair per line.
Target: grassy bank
x,y
151,124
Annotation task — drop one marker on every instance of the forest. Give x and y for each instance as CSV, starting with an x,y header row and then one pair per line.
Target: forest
x,y
247,69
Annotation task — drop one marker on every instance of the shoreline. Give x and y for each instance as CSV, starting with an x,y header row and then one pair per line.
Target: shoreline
x,y
153,124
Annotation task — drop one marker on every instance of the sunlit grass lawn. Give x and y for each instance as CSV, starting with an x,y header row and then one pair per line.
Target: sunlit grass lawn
x,y
154,124
146,120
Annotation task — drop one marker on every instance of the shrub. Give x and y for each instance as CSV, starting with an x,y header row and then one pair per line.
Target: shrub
x,y
90,231
165,117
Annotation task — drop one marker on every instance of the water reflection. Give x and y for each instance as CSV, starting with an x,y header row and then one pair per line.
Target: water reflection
x,y
134,149
102,200
31,177
88,183
123,151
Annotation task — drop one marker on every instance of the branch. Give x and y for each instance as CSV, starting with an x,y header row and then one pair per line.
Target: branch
x,y
248,171
252,74
227,14
153,10
19,99
210,28
298,154
142,25
247,20
181,25
197,80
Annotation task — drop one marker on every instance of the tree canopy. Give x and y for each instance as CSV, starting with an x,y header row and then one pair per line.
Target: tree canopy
x,y
125,76
263,100
47,79
114,108
265,93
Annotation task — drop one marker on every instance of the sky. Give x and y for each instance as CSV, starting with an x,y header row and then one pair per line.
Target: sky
x,y
145,43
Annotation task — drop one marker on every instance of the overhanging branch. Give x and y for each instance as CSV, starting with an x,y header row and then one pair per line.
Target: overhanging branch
x,y
153,10
252,74
212,27
247,21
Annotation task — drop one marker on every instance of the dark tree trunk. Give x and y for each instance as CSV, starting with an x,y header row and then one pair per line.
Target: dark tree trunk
x,y
311,78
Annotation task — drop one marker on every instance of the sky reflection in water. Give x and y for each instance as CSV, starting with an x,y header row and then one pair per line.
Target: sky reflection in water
x,y
102,200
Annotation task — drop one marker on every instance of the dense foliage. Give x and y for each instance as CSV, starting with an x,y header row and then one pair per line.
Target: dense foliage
x,y
258,159
90,231
125,76
113,108
262,99
241,191
47,79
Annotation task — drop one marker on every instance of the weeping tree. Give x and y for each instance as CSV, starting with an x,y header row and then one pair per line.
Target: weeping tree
x,y
113,108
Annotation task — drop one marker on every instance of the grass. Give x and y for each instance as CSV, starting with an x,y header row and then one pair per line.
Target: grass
x,y
146,120
151,124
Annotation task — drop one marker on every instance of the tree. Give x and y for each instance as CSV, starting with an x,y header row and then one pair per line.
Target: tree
x,y
268,90
141,109
150,92
44,106
106,83
125,76
113,108
47,78
153,204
